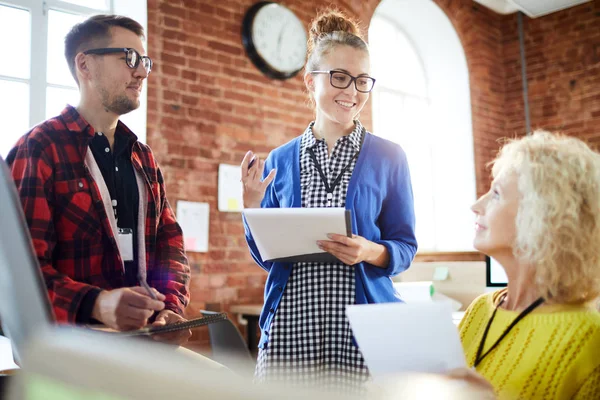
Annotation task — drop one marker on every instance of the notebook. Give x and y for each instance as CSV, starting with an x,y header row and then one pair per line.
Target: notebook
x,y
177,326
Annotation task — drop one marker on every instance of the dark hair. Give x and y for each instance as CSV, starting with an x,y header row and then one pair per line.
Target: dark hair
x,y
331,28
95,31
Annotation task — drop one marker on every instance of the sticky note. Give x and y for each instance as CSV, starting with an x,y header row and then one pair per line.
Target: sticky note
x,y
440,273
232,204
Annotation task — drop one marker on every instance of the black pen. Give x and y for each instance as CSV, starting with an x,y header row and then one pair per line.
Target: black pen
x,y
251,163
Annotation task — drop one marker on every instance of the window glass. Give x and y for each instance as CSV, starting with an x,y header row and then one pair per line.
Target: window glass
x,y
58,98
400,119
15,42
59,24
400,69
99,4
414,106
14,109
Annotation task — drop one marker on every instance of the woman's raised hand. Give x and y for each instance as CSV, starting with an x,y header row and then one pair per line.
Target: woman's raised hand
x,y
253,187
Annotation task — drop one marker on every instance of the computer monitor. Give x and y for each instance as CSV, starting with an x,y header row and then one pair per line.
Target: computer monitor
x,y
494,273
25,309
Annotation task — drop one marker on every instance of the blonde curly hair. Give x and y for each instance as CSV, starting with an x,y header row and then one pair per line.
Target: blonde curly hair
x,y
558,220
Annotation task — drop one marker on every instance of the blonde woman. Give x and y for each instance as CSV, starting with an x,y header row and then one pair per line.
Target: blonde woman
x,y
540,337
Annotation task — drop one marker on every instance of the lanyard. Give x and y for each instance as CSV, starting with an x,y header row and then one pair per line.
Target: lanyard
x,y
330,188
479,357
113,167
114,206
114,201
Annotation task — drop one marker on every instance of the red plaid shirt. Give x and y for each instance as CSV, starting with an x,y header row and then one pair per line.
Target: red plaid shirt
x,y
71,232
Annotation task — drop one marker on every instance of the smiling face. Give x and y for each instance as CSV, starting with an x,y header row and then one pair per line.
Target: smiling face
x,y
496,212
339,106
117,86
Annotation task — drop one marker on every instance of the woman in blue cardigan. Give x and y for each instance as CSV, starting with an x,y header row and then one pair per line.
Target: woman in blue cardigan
x,y
306,338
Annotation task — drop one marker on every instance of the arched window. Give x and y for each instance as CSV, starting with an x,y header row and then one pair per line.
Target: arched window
x,y
422,101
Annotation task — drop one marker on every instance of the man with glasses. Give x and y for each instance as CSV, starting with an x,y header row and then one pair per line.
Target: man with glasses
x,y
105,235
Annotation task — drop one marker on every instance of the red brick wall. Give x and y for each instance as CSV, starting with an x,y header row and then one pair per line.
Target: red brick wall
x,y
563,72
208,105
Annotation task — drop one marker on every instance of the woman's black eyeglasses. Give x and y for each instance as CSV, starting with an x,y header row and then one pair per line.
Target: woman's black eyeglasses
x,y
342,80
132,57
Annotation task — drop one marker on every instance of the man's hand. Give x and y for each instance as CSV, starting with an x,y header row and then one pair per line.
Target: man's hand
x,y
126,308
179,337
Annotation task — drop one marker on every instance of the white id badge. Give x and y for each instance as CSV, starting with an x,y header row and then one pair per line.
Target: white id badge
x,y
126,243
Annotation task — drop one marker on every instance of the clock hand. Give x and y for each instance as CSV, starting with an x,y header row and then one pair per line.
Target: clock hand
x,y
280,39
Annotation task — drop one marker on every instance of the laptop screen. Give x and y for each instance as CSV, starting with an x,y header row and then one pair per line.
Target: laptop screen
x,y
494,273
24,304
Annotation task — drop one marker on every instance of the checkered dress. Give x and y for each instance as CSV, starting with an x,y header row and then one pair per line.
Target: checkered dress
x,y
310,340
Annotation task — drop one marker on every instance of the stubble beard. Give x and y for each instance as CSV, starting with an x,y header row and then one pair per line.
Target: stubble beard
x,y
119,105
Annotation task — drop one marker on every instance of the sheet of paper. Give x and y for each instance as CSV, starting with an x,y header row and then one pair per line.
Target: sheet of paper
x,y
397,337
6,354
193,219
285,232
230,188
454,304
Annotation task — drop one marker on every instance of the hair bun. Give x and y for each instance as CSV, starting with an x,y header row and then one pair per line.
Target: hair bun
x,y
332,20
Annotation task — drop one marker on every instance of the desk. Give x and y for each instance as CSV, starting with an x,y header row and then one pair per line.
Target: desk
x,y
250,312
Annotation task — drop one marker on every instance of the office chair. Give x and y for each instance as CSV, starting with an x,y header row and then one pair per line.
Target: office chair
x,y
228,347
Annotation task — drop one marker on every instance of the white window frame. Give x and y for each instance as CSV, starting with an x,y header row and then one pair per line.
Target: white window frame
x,y
136,9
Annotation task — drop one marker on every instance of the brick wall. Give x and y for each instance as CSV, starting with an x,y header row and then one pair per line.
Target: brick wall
x,y
563,72
208,105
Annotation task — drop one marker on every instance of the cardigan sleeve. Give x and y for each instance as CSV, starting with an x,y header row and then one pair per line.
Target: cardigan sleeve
x,y
397,220
269,201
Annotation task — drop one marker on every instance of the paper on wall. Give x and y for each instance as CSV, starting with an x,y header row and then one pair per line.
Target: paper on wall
x,y
193,218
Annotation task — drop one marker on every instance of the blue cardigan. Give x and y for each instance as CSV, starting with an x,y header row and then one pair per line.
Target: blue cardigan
x,y
381,199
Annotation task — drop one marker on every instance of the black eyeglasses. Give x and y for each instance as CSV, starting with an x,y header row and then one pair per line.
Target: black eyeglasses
x,y
342,80
132,57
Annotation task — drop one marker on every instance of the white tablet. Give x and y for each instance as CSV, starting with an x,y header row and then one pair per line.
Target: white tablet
x,y
291,234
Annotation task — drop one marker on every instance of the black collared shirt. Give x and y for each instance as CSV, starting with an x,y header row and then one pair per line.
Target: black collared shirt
x,y
119,176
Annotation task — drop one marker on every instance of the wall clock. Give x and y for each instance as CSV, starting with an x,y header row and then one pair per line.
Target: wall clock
x,y
274,39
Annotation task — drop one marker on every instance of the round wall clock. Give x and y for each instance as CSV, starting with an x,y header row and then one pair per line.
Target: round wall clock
x,y
274,39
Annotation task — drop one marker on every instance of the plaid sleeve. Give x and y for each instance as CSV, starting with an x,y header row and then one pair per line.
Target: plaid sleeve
x,y
32,172
170,274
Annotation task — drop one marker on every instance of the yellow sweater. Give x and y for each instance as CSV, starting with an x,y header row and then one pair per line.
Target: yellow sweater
x,y
552,353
